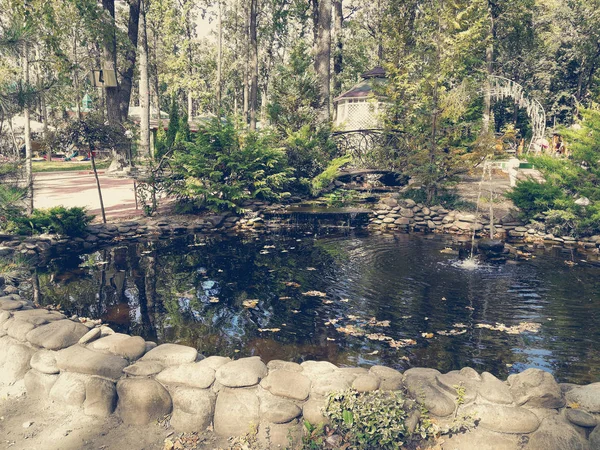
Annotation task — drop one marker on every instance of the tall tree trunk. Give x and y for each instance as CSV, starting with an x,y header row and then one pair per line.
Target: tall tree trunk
x,y
76,75
130,55
27,132
219,55
489,63
111,94
338,52
253,64
323,54
145,148
246,62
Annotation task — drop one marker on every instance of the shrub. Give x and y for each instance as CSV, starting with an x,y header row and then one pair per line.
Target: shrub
x,y
58,220
328,176
376,419
226,166
533,198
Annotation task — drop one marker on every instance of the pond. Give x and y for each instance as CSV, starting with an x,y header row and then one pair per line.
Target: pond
x,y
351,298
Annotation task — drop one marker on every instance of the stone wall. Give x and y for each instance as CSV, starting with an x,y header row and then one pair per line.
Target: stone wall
x,y
84,364
395,214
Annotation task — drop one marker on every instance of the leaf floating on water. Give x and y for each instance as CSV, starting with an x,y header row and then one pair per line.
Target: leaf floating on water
x,y
378,337
315,294
330,339
285,298
250,303
352,330
406,317
570,263
327,302
332,321
427,335
269,246
452,332
379,323
470,308
401,343
523,327
291,284
459,325
311,269
213,299
269,330
295,311
444,299
353,317
264,252
344,300
376,352
284,251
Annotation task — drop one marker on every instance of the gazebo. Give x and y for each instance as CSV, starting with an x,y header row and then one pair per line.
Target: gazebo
x,y
359,108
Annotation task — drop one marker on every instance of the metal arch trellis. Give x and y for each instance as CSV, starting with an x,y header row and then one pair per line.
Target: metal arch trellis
x,y
501,88
369,147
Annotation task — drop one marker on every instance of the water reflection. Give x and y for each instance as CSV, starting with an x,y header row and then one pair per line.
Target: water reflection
x,y
246,296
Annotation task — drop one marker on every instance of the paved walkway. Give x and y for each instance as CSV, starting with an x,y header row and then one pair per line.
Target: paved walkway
x,y
79,189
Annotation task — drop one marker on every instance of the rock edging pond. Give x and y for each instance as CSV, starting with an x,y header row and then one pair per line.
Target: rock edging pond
x,y
86,365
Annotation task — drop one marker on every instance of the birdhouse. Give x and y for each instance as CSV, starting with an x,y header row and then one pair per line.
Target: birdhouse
x,y
359,108
87,103
103,78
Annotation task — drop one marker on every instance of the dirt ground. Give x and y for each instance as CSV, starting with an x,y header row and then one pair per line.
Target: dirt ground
x,y
79,189
28,424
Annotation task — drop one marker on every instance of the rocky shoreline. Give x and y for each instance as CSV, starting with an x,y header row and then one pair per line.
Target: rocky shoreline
x,y
390,214
83,364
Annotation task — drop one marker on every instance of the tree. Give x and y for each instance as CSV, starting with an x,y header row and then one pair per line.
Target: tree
x,y
322,50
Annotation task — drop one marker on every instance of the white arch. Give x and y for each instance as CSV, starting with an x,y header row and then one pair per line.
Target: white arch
x,y
502,88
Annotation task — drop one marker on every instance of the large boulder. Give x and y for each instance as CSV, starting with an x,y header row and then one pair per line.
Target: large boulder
x,y
214,362
130,347
18,329
535,388
481,439
14,360
391,379
422,385
242,372
277,410
283,383
190,374
193,409
555,433
44,361
171,354
236,412
38,384
504,419
38,316
69,389
57,335
83,360
144,369
313,411
100,397
586,397
142,400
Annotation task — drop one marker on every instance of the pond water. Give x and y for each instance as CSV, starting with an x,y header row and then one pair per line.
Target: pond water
x,y
353,299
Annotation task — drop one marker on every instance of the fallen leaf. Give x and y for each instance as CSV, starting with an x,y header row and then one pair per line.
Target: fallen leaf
x,y
427,335
285,298
291,284
269,330
315,294
250,303
310,268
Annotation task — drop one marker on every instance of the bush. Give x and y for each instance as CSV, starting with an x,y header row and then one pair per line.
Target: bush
x,y
226,166
59,220
376,419
533,198
329,175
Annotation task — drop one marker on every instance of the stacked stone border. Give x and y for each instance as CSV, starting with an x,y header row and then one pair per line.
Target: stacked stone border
x,y
84,364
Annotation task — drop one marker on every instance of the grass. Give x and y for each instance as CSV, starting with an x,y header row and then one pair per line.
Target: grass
x,y
60,166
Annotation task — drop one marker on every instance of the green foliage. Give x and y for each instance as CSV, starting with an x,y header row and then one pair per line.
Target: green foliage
x,y
376,419
226,166
58,220
567,180
341,197
328,176
294,113
533,198
183,130
173,122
